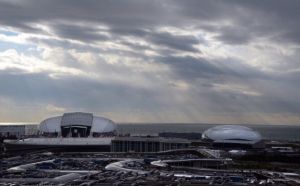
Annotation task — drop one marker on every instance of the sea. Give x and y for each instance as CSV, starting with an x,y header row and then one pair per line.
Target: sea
x,y
271,132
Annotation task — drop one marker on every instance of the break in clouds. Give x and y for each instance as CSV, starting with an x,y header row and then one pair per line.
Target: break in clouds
x,y
151,61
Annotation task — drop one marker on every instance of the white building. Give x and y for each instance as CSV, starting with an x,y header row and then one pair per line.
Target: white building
x,y
233,136
77,124
75,131
18,130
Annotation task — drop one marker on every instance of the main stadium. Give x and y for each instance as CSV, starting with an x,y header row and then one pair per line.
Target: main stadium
x,y
77,130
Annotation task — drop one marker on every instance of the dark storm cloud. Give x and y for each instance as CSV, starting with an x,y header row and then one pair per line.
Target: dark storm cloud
x,y
190,68
184,43
135,28
249,19
177,42
276,20
234,35
125,14
137,32
81,33
240,103
165,39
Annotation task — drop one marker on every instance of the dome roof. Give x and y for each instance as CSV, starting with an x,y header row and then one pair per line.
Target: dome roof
x,y
97,124
231,133
101,124
50,124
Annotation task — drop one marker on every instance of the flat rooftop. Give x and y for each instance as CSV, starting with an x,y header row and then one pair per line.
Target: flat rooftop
x,y
151,139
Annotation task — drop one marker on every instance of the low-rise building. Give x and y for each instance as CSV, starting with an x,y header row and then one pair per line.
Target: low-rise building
x,y
147,144
18,130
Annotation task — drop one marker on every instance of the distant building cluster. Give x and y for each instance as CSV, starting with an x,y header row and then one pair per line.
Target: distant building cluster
x,y
94,131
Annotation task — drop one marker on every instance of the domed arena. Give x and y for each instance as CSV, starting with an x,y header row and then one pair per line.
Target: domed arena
x,y
77,124
233,136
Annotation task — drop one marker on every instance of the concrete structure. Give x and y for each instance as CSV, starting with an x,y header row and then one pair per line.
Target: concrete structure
x,y
147,144
233,137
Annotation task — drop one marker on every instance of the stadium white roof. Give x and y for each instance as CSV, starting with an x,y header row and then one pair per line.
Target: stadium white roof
x,y
232,133
97,124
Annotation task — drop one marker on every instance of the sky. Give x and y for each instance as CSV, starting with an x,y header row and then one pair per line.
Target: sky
x,y
208,61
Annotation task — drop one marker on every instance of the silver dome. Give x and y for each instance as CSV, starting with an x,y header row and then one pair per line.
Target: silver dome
x,y
231,133
97,124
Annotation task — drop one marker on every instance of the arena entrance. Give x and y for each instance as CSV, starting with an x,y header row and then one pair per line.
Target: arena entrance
x,y
75,131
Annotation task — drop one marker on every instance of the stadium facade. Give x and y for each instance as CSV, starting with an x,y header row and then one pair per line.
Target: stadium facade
x,y
77,124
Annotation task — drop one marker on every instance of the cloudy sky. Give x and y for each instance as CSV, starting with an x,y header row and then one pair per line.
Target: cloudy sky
x,y
151,60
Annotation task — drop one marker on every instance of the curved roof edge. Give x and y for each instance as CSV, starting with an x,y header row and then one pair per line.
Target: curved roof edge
x,y
232,133
97,124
